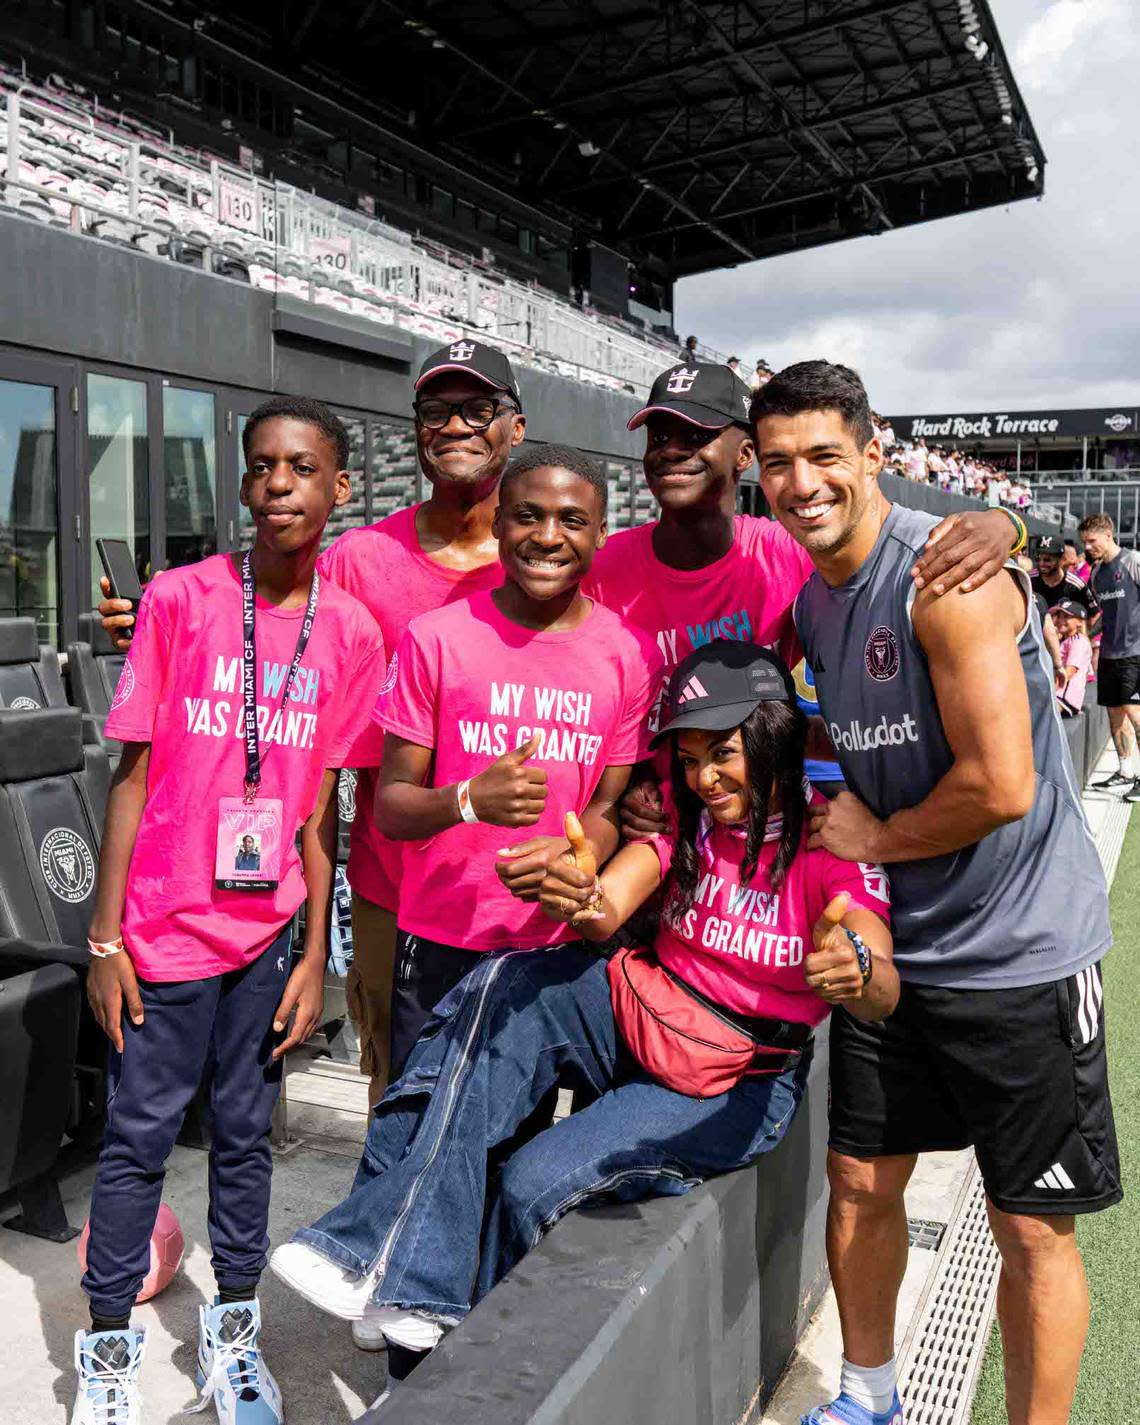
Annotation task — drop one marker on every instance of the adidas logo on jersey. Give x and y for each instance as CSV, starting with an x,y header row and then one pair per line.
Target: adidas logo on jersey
x,y
694,688
1055,1179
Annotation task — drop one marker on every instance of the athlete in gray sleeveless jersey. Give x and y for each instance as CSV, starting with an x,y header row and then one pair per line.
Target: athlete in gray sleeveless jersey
x,y
1115,578
943,719
994,913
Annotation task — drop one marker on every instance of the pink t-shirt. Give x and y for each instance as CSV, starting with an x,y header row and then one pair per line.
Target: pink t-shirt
x,y
747,594
1076,652
180,690
743,946
472,685
384,567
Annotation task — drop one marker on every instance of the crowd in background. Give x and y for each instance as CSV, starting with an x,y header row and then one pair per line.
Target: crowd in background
x,y
950,469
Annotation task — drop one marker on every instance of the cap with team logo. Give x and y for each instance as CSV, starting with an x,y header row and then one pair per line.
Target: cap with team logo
x,y
1072,607
702,392
1051,544
478,360
719,684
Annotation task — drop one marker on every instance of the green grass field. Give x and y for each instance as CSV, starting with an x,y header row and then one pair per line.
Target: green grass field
x,y
1109,1389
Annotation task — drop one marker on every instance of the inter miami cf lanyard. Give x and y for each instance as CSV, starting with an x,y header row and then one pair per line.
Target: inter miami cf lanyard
x,y
249,668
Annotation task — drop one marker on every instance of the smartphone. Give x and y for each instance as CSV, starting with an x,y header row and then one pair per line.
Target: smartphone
x,y
119,566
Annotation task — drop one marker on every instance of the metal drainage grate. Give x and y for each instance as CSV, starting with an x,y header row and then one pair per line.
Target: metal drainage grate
x,y
922,1232
943,1351
1110,837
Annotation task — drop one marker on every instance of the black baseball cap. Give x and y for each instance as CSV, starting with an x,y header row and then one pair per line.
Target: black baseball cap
x,y
703,392
720,683
1051,544
1073,607
476,359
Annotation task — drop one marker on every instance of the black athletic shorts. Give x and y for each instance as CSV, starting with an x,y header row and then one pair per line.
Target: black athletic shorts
x,y
1020,1074
1117,682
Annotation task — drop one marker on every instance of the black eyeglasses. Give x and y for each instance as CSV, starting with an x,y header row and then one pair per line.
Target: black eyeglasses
x,y
477,412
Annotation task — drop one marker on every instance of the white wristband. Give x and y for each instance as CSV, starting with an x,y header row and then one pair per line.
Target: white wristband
x,y
463,796
101,949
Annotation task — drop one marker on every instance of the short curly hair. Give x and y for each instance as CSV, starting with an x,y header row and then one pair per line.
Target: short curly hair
x,y
558,457
300,408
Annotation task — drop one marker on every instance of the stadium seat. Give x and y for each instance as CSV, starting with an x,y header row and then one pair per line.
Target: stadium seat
x,y
52,785
39,1026
30,676
49,845
93,668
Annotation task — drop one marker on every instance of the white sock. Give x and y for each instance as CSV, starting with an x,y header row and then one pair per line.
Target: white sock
x,y
870,1386
1126,764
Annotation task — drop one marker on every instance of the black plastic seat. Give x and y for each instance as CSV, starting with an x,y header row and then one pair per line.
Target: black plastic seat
x,y
94,667
30,676
52,1054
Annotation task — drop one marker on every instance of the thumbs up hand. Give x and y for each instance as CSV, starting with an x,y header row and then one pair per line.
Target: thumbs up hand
x,y
509,793
832,968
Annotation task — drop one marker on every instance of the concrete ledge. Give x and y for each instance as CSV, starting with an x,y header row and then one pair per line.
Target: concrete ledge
x,y
679,1309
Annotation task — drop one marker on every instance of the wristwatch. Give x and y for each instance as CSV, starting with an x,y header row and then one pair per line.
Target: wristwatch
x,y
862,954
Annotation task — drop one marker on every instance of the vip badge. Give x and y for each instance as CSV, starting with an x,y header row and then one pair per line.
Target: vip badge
x,y
67,864
881,654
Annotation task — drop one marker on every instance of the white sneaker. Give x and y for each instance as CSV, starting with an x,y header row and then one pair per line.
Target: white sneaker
x,y
332,1288
232,1374
108,1366
368,1334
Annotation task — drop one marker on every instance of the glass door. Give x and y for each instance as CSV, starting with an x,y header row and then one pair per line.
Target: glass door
x,y
38,524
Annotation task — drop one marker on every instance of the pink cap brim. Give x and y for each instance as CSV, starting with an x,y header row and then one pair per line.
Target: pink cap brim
x,y
467,371
643,415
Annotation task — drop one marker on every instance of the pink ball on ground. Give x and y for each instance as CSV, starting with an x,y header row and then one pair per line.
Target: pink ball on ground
x,y
166,1248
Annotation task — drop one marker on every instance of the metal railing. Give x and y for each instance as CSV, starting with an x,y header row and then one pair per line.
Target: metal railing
x,y
63,167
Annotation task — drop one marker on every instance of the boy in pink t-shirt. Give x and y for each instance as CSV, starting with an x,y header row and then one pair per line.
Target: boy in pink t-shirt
x,y
246,686
507,710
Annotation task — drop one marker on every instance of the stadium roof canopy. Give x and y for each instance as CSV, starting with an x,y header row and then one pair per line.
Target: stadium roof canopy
x,y
701,132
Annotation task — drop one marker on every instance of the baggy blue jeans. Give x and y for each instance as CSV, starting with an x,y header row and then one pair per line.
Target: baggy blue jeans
x,y
224,1026
419,1218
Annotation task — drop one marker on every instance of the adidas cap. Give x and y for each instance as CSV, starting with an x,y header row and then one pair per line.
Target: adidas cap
x,y
702,392
1072,607
477,359
719,684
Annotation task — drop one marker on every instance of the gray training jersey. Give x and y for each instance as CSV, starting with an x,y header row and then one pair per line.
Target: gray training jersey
x,y
1116,584
1025,905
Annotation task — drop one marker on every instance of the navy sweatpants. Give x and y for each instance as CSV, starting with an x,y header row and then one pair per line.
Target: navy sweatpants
x,y
223,1027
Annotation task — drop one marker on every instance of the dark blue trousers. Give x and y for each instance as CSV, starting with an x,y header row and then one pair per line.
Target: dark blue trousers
x,y
222,1028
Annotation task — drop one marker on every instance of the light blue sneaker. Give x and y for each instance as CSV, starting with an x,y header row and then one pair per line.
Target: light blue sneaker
x,y
231,1372
108,1366
845,1411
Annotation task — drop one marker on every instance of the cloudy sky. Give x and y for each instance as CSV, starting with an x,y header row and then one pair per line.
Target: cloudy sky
x,y
1027,307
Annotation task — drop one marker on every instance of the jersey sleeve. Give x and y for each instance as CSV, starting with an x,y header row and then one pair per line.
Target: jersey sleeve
x,y
407,704
141,685
358,740
865,882
641,710
1130,558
